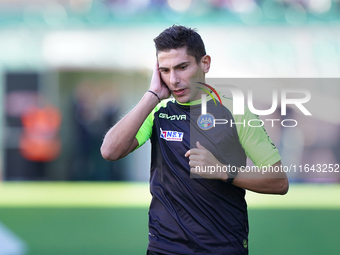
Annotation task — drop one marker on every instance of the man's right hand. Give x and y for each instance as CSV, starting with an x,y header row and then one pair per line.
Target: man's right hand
x,y
120,140
157,84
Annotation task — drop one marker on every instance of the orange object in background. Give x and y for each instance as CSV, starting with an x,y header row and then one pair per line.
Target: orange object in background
x,y
40,139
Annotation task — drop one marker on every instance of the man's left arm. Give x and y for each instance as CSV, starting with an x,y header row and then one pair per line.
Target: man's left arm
x,y
267,182
270,180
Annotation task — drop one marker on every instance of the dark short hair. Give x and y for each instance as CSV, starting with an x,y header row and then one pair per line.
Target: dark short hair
x,y
179,36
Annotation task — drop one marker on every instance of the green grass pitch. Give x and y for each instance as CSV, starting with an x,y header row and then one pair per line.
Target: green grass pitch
x,y
111,218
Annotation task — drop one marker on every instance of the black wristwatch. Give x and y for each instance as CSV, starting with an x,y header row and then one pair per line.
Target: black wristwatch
x,y
232,173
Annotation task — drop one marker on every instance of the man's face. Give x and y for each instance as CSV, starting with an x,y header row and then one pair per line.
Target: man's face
x,y
180,72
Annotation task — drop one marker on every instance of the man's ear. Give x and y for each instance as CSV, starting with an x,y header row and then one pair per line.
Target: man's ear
x,y
205,63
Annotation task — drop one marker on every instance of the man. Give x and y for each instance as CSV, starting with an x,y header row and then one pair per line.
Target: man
x,y
192,215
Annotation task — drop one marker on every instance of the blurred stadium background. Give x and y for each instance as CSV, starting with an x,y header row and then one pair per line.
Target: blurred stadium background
x,y
69,69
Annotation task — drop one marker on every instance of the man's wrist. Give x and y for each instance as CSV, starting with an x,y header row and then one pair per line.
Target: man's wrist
x,y
232,174
151,99
155,94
